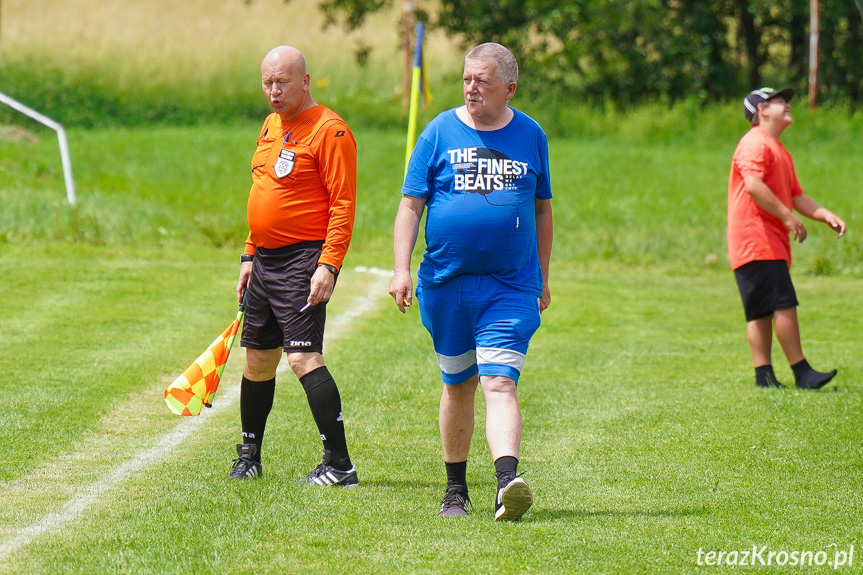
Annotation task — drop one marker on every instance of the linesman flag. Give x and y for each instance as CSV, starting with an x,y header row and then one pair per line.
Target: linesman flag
x,y
195,388
420,93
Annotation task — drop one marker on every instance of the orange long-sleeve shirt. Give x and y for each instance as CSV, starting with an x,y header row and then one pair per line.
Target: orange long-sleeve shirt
x,y
304,184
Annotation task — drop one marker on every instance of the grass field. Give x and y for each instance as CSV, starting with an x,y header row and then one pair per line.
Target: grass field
x,y
645,439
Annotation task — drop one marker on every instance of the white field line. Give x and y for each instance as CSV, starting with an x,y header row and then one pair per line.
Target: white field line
x,y
97,491
359,307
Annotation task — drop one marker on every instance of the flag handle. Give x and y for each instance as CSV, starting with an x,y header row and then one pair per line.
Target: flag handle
x,y
221,369
413,111
240,313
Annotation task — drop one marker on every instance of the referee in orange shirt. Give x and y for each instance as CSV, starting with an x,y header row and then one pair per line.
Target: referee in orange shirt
x,y
301,214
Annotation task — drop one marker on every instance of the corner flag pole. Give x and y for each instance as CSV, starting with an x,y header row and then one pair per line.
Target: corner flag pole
x,y
416,89
61,136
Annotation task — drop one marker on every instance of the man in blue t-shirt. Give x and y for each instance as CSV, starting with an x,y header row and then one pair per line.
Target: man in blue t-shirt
x,y
482,172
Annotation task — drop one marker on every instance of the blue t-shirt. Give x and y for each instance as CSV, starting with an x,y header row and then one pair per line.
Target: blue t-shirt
x,y
481,187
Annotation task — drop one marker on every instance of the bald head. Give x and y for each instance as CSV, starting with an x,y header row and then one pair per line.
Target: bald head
x,y
286,82
286,56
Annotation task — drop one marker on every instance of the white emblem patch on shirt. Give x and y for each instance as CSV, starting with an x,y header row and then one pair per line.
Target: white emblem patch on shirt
x,y
285,163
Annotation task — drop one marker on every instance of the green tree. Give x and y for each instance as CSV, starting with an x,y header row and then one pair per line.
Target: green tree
x,y
627,51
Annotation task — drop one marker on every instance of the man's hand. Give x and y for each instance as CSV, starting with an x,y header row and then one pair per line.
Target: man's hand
x,y
795,227
765,198
545,300
321,287
401,288
810,208
835,223
243,282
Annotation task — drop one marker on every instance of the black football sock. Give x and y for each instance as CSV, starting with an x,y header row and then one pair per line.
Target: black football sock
x,y
456,474
326,405
505,468
764,376
807,378
256,401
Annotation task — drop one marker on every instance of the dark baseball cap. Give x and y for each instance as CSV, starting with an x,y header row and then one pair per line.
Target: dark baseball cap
x,y
755,97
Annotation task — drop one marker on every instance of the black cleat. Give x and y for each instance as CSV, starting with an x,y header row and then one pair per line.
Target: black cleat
x,y
326,474
246,466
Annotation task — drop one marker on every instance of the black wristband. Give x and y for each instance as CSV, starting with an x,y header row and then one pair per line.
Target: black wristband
x,y
246,258
330,268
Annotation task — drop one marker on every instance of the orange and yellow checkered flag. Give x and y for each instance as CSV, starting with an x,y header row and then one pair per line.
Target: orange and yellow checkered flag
x,y
195,388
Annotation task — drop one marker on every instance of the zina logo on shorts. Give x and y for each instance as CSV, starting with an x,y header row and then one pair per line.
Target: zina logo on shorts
x,y
300,344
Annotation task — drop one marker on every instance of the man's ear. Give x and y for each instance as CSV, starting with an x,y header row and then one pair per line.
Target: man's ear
x,y
510,90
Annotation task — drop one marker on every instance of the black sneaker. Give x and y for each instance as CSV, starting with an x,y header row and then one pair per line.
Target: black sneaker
x,y
513,499
455,502
326,474
246,466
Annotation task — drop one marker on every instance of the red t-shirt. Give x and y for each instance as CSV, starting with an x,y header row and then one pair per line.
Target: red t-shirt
x,y
754,234
304,184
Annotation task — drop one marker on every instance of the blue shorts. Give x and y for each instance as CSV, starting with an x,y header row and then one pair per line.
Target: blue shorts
x,y
478,325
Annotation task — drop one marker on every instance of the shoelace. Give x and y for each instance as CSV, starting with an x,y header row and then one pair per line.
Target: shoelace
x,y
247,464
454,498
318,471
504,477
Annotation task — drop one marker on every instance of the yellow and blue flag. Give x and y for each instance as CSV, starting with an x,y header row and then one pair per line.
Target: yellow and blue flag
x,y
420,93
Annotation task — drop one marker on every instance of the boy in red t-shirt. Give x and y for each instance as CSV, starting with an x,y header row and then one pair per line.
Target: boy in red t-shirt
x,y
763,191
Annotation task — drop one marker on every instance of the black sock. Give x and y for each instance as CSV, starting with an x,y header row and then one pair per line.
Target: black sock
x,y
256,401
801,368
764,376
505,468
326,405
456,474
807,378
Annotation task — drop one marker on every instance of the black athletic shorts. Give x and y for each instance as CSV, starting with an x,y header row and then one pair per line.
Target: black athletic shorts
x,y
277,291
765,286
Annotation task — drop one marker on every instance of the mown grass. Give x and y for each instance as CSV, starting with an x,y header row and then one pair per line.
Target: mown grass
x,y
644,439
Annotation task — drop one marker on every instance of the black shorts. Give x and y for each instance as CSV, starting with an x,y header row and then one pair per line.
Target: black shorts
x,y
277,291
765,286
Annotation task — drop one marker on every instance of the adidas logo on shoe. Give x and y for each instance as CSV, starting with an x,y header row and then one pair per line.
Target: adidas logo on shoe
x,y
326,474
246,466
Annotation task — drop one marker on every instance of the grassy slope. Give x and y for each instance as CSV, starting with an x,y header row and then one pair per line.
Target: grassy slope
x,y
641,194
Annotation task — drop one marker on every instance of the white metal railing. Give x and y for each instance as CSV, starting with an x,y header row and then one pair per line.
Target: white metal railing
x,y
61,137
